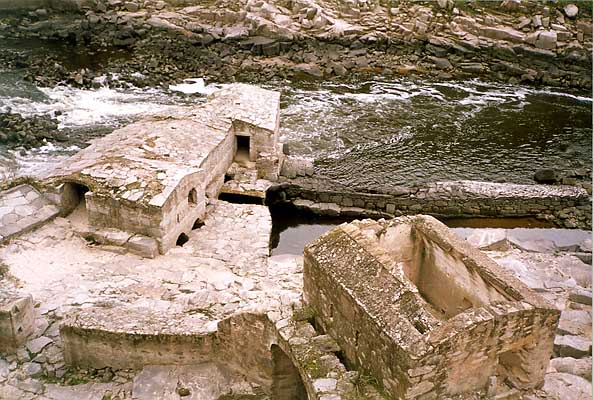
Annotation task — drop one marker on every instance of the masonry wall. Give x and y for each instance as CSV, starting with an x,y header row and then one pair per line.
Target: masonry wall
x,y
263,148
217,164
104,211
179,213
571,210
363,341
512,341
440,339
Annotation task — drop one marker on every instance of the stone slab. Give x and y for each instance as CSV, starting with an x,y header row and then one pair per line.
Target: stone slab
x,y
23,208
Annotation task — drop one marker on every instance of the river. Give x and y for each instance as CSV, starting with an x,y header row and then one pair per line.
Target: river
x,y
364,134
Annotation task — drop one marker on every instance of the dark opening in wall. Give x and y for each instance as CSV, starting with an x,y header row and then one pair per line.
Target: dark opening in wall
x,y
240,199
182,239
73,196
197,224
286,380
192,197
243,148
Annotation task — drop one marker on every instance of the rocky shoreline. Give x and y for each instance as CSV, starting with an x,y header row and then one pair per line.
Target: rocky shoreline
x,y
511,41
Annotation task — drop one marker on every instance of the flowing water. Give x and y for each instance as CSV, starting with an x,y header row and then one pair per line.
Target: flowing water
x,y
367,134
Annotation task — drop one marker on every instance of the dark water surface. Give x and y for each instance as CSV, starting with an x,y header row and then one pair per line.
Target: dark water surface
x,y
292,231
404,132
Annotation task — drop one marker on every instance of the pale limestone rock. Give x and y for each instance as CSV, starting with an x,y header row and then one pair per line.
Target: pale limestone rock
x,y
143,246
36,345
546,40
564,386
571,10
572,346
569,365
575,322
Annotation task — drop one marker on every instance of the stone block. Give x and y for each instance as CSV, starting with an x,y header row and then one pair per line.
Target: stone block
x,y
143,246
17,322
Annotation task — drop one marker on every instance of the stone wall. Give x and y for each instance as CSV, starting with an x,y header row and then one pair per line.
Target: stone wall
x,y
426,315
181,210
564,206
282,354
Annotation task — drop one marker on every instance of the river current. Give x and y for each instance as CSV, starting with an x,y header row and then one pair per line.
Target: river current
x,y
376,133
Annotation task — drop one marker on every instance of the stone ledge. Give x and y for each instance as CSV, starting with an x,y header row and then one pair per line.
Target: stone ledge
x,y
23,209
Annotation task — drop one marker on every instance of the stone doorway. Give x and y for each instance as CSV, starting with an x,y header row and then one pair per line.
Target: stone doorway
x,y
73,197
243,146
286,380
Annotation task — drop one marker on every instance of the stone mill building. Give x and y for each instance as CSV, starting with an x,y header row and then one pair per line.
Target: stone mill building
x,y
154,178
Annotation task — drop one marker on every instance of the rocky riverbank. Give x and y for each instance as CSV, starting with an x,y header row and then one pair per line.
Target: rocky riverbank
x,y
511,41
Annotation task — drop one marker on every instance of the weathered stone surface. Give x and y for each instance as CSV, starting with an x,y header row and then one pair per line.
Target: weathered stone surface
x,y
572,346
203,381
579,367
153,178
575,322
376,265
567,387
143,246
23,208
16,320
36,345
546,40
571,10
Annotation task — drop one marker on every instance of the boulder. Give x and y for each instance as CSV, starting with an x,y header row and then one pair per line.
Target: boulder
x,y
575,322
502,33
573,366
571,10
566,387
547,40
441,62
572,346
546,176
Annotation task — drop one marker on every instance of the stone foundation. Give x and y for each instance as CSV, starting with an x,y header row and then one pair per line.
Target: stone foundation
x,y
16,321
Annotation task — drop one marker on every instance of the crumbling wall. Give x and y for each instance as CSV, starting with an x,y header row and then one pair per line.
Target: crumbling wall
x,y
17,321
431,317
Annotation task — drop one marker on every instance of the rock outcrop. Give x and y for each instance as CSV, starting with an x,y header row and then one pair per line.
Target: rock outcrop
x,y
515,41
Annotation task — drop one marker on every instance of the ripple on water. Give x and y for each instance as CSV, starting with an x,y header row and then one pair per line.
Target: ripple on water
x,y
394,133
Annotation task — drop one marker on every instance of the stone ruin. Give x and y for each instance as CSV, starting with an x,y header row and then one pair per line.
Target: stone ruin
x,y
424,313
153,178
16,320
403,303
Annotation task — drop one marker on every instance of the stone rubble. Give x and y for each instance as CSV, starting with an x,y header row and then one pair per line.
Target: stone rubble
x,y
224,269
515,41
